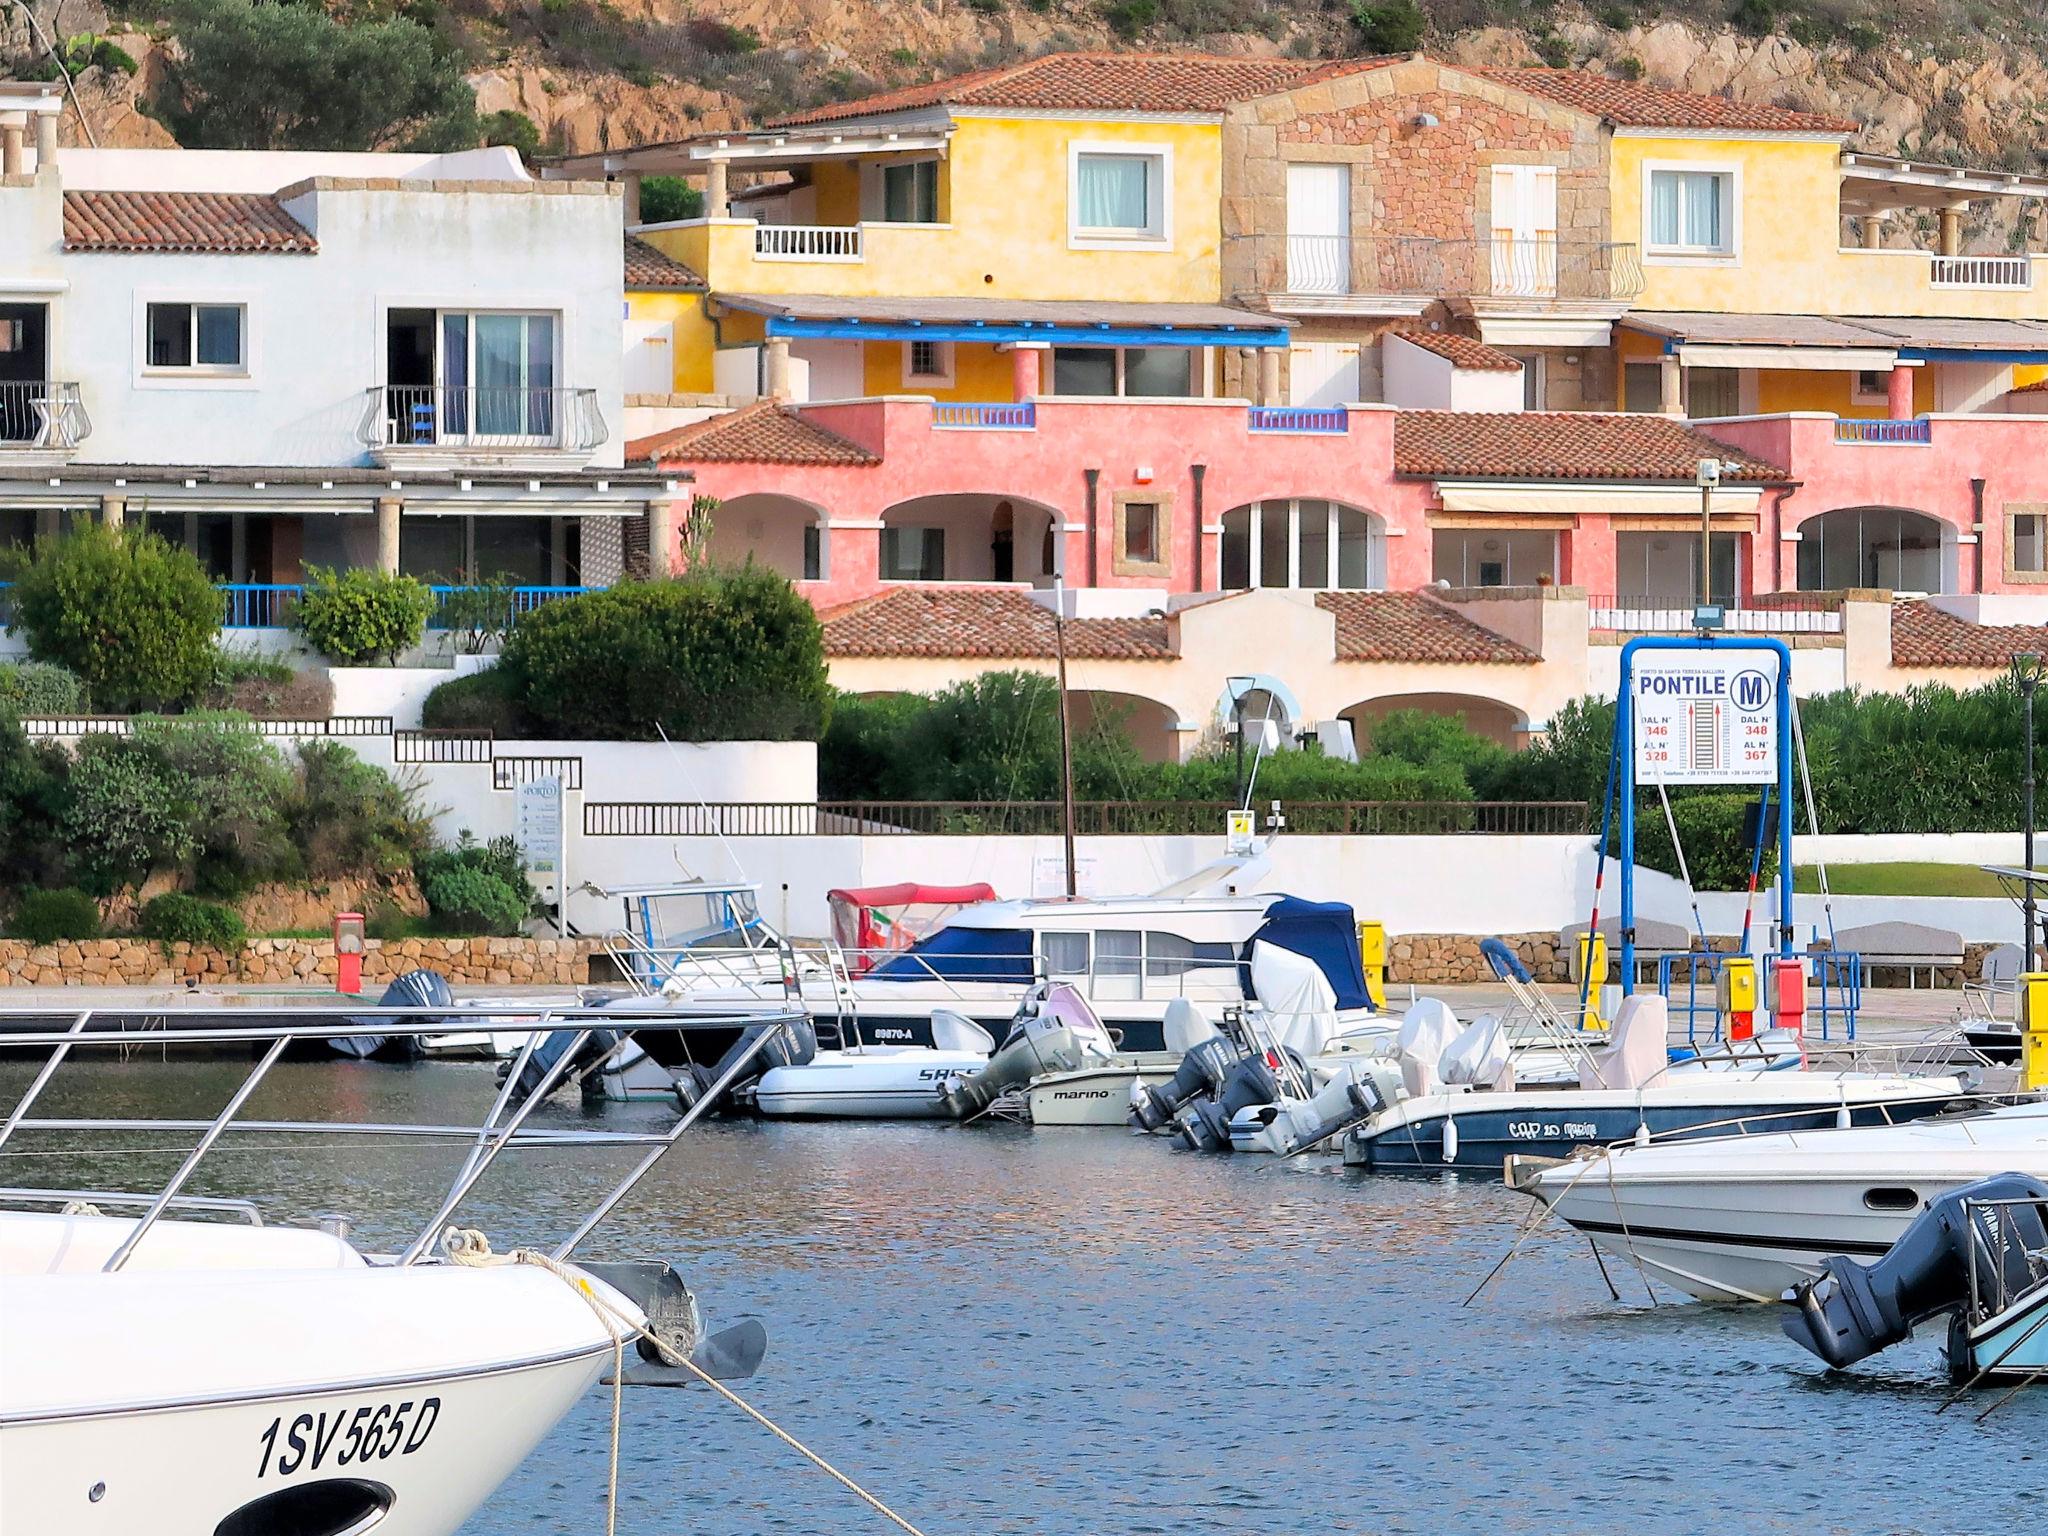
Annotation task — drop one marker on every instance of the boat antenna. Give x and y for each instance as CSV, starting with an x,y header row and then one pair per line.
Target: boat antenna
x,y
1059,646
717,821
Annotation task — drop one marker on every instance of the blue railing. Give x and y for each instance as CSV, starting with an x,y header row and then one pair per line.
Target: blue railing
x,y
523,601
257,604
1834,991
1863,430
986,416
1300,418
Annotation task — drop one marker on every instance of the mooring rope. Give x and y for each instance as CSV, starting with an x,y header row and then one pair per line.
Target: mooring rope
x,y
467,1246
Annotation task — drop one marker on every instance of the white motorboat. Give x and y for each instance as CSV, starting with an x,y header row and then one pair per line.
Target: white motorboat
x,y
1743,1218
170,1371
877,1082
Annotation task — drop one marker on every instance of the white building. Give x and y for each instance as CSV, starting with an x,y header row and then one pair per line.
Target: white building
x,y
338,359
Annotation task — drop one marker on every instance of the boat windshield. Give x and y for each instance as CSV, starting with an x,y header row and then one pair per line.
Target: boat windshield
x,y
704,919
963,954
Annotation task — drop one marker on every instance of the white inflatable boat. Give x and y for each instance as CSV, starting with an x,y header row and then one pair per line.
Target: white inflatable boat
x,y
878,1082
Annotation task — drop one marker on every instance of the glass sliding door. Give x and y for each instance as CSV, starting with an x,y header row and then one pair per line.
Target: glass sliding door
x,y
498,376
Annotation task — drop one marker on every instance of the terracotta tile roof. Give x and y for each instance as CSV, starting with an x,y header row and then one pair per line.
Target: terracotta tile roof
x,y
762,433
648,269
214,223
995,623
1924,636
1099,82
1627,104
1561,445
2038,387
1463,351
1409,626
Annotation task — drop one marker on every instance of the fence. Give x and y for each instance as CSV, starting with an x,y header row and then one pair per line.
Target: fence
x,y
1092,818
986,415
511,772
441,746
60,727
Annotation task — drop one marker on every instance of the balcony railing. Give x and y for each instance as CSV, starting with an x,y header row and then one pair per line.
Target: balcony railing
x,y
807,242
1659,613
41,413
1323,420
268,605
985,416
1865,430
1981,271
1334,266
484,417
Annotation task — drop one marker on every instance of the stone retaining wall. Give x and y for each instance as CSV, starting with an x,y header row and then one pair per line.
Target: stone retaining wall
x,y
293,962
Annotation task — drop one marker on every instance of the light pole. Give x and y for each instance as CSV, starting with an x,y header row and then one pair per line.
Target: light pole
x,y
1706,475
1238,688
2027,671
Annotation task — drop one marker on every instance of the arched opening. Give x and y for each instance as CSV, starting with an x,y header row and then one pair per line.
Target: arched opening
x,y
1149,724
1306,542
1888,547
972,536
1497,722
784,534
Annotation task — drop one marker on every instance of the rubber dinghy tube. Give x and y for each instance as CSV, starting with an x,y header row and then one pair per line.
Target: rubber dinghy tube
x,y
1851,1311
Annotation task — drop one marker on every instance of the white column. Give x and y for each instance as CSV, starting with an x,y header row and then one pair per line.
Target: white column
x,y
1293,543
388,508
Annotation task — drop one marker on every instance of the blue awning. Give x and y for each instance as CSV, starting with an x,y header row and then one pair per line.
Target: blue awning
x,y
963,954
1325,932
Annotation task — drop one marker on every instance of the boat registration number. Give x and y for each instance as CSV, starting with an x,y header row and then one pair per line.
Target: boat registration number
x,y
347,1436
1550,1130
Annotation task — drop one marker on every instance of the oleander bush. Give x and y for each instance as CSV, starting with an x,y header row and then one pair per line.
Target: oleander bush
x,y
174,918
131,615
361,617
49,917
42,688
477,888
716,655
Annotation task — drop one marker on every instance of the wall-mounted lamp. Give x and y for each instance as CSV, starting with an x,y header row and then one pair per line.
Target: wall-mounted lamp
x,y
1423,120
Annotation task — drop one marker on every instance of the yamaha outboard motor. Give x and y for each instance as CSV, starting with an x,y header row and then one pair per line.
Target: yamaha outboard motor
x,y
1854,1310
552,1047
1206,1058
1205,1123
415,989
1054,1031
1352,1096
796,1048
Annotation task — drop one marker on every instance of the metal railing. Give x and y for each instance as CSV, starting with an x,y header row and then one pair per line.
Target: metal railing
x,y
1834,993
808,242
258,604
986,416
442,746
41,413
1318,420
520,601
61,726
1918,430
511,772
1310,266
1980,271
1660,613
480,416
1092,818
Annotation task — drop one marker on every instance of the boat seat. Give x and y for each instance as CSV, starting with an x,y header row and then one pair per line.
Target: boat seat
x,y
1479,1056
1185,1026
1426,1028
1636,1052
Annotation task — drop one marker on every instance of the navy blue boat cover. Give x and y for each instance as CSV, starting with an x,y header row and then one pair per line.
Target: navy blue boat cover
x,y
1322,931
963,954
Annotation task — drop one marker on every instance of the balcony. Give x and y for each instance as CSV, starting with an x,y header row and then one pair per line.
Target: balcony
x,y
809,242
1321,420
268,605
1919,432
985,416
447,426
41,419
1772,613
2006,272
1331,268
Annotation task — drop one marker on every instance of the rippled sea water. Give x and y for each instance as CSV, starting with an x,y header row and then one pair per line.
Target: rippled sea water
x,y
1001,1330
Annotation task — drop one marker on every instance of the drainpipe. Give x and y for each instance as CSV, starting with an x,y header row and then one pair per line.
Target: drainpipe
x,y
1094,478
1977,524
1197,473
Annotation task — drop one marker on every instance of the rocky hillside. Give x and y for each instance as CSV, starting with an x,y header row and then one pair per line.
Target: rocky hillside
x,y
1953,80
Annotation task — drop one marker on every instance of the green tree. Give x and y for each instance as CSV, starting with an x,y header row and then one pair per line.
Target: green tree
x,y
1388,26
134,617
515,129
258,75
669,199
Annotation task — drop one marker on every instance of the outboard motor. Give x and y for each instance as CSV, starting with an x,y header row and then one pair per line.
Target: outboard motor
x,y
1205,1123
415,989
1206,1058
797,1048
1354,1095
1854,1310
1054,1031
551,1049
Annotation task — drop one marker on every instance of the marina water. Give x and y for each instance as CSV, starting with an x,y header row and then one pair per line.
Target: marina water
x,y
1002,1330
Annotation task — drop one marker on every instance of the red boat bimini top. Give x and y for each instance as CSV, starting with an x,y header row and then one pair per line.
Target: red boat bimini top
x,y
877,919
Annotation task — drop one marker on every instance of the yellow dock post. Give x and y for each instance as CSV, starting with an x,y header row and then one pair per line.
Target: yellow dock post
x,y
2034,1030
1595,974
1372,952
1735,996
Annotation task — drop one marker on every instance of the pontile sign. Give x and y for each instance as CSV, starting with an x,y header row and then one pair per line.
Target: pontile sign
x,y
1703,717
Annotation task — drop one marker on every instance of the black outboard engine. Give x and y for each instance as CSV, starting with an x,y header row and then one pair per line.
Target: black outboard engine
x,y
1204,1069
415,989
602,1043
796,1048
1205,1124
1854,1310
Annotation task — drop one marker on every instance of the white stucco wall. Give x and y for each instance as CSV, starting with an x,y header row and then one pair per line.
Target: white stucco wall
x,y
1417,379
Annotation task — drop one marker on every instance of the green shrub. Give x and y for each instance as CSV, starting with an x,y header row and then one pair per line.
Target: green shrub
x,y
1128,18
479,702
233,786
668,200
48,917
864,753
32,688
1628,67
1759,18
173,918
34,795
512,128
132,616
713,656
1710,827
126,814
475,613
346,817
478,888
1553,50
361,617
1388,26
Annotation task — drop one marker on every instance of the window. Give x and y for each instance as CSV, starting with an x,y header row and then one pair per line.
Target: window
x,y
913,554
1533,380
1084,370
1692,212
1308,543
1168,954
1066,954
1643,388
200,338
1157,371
1142,372
1118,952
928,362
814,552
2026,545
1873,386
1712,392
910,193
1140,535
1118,196
497,375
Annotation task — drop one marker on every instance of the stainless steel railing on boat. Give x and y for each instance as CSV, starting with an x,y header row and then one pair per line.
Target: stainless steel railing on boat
x,y
2005,1262
502,1128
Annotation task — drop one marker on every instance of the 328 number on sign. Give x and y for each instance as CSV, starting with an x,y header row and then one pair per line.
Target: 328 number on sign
x,y
372,1432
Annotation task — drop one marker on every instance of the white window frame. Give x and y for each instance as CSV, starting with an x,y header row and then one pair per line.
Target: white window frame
x,y
875,196
1159,237
948,362
1727,255
198,375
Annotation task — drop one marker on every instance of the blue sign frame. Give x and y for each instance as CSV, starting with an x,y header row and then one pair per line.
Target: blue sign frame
x,y
1625,747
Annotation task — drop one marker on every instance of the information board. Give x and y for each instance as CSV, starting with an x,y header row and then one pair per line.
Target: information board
x,y
540,826
1705,717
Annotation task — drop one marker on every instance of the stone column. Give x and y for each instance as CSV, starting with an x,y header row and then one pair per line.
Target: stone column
x,y
1671,381
777,382
388,509
629,187
717,202
1269,376
46,141
1873,231
1898,393
1951,231
192,533
13,143
1024,382
661,539
113,510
